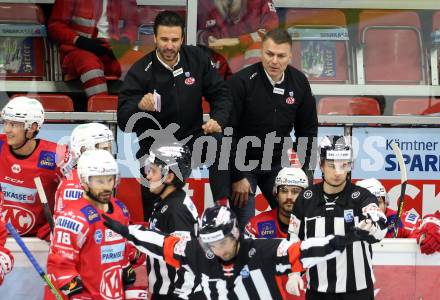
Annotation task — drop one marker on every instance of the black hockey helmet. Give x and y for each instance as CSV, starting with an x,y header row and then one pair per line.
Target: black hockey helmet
x,y
174,157
218,222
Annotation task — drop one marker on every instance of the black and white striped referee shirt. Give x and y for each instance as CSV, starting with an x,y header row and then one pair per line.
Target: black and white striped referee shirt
x,y
318,215
175,215
252,274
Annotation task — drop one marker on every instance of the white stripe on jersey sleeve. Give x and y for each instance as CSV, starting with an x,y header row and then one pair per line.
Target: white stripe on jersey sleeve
x,y
240,289
260,284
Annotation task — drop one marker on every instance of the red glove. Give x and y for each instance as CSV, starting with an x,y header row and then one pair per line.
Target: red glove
x,y
428,235
430,244
6,263
43,232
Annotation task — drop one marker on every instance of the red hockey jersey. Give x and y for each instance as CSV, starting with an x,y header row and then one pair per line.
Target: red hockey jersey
x,y
69,189
266,225
83,246
22,206
3,231
410,221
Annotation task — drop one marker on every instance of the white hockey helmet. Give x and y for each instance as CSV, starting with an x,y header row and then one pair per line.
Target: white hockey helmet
x,y
375,187
25,110
88,136
291,176
97,163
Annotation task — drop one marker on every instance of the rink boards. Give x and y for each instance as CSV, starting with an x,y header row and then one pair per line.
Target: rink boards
x,y
402,272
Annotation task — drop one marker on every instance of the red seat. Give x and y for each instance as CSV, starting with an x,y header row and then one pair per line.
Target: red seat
x,y
433,110
413,106
52,102
392,47
348,106
23,50
323,60
103,103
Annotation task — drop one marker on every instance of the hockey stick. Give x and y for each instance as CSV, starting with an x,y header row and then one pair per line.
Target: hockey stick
x,y
403,181
43,200
33,261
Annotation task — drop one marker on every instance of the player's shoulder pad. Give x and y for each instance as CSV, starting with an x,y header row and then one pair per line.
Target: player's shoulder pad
x,y
123,208
91,214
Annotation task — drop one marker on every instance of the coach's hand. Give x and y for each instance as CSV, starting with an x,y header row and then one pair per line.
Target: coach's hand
x,y
147,103
240,192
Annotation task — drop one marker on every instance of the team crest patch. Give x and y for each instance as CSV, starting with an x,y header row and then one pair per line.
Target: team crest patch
x,y
91,214
290,100
46,160
267,229
190,81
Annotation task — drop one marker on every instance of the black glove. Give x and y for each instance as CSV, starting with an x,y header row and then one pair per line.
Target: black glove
x,y
74,287
128,276
92,45
116,226
339,242
356,234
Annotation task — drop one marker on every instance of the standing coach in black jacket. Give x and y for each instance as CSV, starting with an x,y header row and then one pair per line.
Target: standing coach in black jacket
x,y
168,84
270,99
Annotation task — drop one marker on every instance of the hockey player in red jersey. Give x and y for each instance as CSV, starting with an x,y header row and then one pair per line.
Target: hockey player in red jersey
x,y
84,137
87,260
275,223
6,258
24,157
235,28
409,220
428,233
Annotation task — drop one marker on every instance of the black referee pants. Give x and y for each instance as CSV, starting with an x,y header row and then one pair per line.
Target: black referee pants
x,y
366,294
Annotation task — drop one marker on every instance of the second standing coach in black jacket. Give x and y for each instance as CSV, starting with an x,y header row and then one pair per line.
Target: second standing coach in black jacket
x,y
168,84
269,97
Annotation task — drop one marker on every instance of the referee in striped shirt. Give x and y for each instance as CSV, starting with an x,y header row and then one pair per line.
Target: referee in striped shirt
x,y
337,207
228,266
